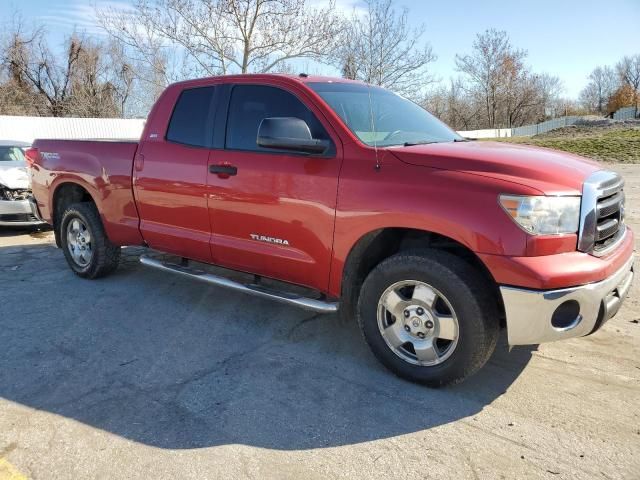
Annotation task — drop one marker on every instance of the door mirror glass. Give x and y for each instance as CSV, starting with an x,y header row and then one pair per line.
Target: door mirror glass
x,y
289,133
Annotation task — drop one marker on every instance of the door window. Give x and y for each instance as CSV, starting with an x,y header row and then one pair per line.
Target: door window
x,y
250,104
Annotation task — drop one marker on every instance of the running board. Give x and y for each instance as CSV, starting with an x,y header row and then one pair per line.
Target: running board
x,y
284,297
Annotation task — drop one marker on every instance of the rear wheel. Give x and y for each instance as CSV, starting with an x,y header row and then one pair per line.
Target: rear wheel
x,y
428,317
86,247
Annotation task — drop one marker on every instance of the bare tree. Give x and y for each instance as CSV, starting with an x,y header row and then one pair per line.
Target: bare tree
x,y
211,37
93,86
151,62
492,70
454,106
17,97
629,71
123,80
603,82
497,78
522,101
77,80
549,89
379,47
31,57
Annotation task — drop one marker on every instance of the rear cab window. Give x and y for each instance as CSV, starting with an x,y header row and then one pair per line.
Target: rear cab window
x,y
192,118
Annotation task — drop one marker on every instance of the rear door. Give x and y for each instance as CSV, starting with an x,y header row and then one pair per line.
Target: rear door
x,y
170,179
272,212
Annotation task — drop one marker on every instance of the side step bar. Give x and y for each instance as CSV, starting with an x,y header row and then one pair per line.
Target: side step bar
x,y
284,297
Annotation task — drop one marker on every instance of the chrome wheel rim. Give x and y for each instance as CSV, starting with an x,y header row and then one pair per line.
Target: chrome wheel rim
x,y
418,323
79,242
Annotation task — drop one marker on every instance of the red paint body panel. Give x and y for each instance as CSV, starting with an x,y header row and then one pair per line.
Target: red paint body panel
x,y
103,169
558,271
321,206
549,171
171,194
457,205
286,196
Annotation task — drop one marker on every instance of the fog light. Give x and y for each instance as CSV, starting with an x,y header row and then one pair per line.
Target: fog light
x,y
567,315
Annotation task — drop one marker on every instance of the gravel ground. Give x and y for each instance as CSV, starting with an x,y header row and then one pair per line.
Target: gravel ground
x,y
147,375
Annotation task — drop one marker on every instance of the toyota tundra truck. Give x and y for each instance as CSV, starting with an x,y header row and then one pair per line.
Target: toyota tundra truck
x,y
377,209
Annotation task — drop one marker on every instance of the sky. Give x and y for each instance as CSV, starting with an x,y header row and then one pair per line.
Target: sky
x,y
566,38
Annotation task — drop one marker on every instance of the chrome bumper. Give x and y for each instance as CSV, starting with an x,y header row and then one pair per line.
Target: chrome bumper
x,y
530,312
19,213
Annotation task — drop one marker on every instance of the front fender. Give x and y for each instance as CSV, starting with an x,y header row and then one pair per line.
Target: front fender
x,y
463,207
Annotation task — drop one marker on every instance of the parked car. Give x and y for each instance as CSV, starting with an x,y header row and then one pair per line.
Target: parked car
x,y
17,207
429,240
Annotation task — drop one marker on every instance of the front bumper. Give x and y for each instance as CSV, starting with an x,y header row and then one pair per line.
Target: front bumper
x,y
530,313
19,213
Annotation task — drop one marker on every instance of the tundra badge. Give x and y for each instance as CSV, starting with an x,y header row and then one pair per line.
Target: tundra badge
x,y
263,238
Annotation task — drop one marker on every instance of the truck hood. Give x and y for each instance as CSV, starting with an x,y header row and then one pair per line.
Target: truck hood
x,y
14,175
549,171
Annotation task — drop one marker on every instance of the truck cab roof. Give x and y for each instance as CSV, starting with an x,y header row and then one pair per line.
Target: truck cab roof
x,y
267,78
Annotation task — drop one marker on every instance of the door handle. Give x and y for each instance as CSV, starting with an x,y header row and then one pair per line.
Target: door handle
x,y
139,162
223,171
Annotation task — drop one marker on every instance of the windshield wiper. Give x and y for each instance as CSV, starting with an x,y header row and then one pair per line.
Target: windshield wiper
x,y
425,142
461,140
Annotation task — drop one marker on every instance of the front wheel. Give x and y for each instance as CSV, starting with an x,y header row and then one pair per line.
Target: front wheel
x,y
428,317
86,246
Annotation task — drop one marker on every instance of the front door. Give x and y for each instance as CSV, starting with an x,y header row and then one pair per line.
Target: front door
x,y
272,212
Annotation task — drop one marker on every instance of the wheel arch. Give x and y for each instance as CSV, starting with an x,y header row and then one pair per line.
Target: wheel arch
x,y
65,194
375,246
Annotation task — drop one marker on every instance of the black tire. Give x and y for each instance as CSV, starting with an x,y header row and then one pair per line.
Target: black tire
x,y
104,257
465,290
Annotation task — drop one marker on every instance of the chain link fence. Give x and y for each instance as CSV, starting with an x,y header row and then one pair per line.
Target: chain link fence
x,y
626,113
529,130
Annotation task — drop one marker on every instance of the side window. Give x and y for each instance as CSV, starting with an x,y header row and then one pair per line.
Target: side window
x,y
250,104
192,119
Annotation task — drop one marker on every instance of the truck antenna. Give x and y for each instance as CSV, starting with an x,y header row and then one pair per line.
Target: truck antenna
x,y
373,129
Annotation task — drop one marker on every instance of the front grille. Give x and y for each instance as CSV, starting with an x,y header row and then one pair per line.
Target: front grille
x,y
602,212
609,217
610,205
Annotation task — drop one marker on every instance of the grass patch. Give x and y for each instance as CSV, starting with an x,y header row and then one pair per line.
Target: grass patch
x,y
608,144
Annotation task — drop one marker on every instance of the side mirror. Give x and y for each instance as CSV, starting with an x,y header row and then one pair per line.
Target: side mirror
x,y
289,133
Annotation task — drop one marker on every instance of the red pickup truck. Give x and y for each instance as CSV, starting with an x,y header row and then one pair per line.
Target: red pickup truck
x,y
379,210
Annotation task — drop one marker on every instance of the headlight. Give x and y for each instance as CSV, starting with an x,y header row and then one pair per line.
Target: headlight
x,y
543,215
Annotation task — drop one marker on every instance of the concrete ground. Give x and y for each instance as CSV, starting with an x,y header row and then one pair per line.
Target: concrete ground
x,y
148,375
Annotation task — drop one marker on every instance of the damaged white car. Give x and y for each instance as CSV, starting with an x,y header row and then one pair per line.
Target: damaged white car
x,y
17,207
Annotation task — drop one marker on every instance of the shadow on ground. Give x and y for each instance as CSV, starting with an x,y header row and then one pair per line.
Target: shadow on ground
x,y
171,363
36,231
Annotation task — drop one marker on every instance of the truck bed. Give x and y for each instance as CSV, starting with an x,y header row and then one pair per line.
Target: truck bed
x,y
103,168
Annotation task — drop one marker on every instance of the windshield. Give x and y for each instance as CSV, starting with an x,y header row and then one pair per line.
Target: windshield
x,y
11,154
388,119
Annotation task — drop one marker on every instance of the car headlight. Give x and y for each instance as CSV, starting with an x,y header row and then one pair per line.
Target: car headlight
x,y
539,215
